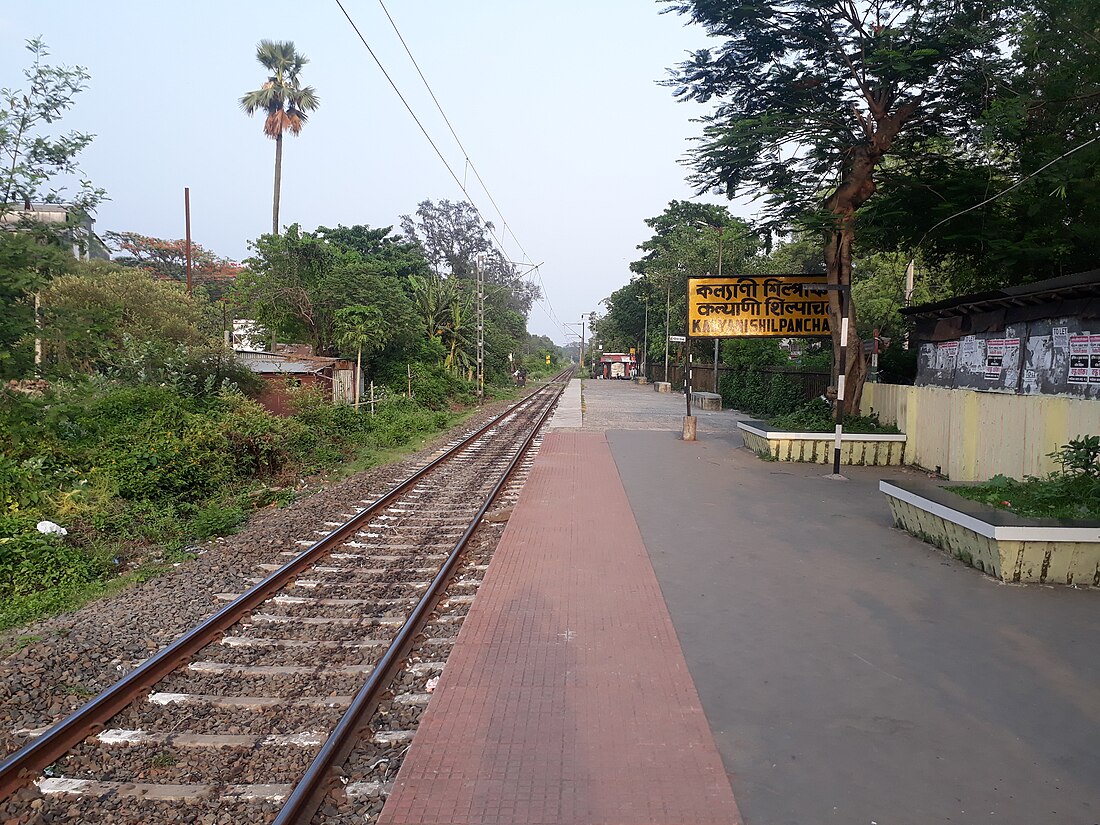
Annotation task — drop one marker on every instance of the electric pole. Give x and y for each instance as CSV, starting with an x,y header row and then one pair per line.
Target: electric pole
x,y
668,305
480,328
187,225
721,230
582,345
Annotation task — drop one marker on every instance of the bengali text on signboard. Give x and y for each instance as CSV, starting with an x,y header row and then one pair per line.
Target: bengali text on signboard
x,y
757,306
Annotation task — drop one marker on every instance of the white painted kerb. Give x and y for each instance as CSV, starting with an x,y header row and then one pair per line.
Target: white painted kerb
x,y
773,435
990,531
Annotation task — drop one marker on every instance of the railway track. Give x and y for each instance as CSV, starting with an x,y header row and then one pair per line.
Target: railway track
x,y
301,694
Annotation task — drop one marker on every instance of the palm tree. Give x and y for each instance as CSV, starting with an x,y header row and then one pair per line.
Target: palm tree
x,y
284,99
445,311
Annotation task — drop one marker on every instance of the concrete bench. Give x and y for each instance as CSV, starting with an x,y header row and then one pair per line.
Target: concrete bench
x,y
662,386
706,400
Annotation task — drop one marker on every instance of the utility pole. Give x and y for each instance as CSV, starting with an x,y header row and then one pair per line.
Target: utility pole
x,y
37,333
582,344
668,305
909,284
645,338
187,224
721,230
480,329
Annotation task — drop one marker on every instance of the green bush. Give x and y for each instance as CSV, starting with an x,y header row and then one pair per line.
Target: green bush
x,y
122,524
31,561
258,441
433,386
159,461
760,393
215,519
140,472
897,365
817,416
1072,493
22,484
751,389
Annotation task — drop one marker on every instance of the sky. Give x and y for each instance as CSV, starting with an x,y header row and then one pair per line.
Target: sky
x,y
557,103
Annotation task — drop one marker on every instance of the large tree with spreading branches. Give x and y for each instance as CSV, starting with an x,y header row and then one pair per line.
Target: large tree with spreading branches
x,y
813,96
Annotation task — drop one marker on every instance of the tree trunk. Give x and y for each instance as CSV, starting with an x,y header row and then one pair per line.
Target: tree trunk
x,y
358,375
838,268
278,184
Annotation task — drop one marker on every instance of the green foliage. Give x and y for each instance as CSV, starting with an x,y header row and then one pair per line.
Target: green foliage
x,y
390,255
1032,144
121,322
1072,493
215,519
140,472
760,393
297,282
897,365
748,387
31,561
32,157
688,240
848,85
453,237
817,416
283,98
169,456
1080,457
331,432
878,289
20,485
27,260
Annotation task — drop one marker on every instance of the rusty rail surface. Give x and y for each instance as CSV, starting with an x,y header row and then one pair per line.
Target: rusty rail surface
x,y
21,767
310,791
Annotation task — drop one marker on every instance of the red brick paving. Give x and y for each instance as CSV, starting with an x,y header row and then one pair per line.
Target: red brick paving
x,y
567,698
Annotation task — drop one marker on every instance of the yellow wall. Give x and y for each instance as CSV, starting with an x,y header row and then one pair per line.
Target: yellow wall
x,y
972,436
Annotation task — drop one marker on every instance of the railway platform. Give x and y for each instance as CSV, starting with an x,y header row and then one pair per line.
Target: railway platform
x,y
567,698
668,627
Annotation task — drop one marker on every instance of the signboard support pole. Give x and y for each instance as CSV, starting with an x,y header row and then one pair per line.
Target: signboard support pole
x,y
668,305
874,360
716,365
689,376
840,382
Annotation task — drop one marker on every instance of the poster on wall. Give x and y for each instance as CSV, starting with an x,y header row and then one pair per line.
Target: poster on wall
x,y
1094,360
994,358
1010,362
1060,336
946,354
1079,349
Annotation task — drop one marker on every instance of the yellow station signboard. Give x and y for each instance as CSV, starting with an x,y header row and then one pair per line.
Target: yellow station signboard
x,y
757,306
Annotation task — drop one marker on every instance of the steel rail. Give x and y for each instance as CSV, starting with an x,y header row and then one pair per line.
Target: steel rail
x,y
310,791
22,766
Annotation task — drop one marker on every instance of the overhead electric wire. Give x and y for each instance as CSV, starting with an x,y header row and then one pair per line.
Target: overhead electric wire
x,y
469,163
438,152
447,120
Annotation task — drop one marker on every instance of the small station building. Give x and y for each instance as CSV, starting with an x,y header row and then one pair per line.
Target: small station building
x,y
617,365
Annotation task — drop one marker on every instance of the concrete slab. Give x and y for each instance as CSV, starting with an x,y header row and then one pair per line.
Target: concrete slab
x,y
610,405
850,672
567,415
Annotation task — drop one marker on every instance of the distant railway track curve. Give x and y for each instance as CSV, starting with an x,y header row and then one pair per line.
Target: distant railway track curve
x,y
295,699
